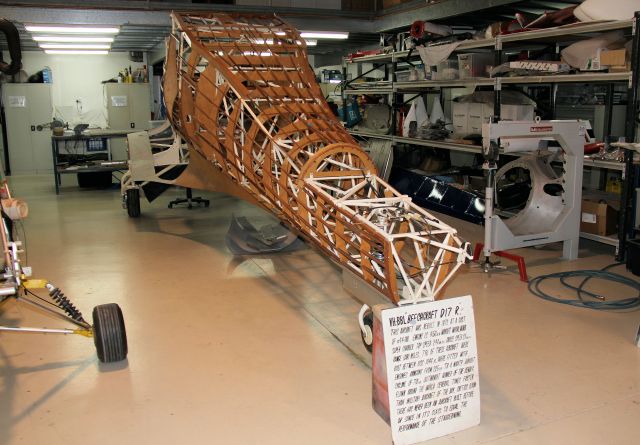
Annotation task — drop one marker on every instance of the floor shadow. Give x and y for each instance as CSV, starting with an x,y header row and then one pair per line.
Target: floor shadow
x,y
9,375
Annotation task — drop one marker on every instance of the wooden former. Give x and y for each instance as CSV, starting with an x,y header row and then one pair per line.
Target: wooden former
x,y
240,91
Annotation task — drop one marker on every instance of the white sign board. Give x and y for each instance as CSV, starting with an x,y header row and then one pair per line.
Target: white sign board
x,y
17,101
119,101
432,369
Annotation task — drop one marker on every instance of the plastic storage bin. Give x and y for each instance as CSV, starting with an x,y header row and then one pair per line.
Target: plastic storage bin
x,y
403,76
474,64
446,70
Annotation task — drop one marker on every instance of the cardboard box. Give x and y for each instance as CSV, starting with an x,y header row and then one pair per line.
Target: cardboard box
x,y
598,218
616,57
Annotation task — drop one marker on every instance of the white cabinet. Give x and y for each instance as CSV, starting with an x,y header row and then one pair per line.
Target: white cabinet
x,y
128,108
27,106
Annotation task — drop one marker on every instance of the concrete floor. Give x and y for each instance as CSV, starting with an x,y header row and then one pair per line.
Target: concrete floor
x,y
225,351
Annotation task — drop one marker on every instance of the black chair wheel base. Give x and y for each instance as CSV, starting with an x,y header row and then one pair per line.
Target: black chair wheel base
x,y
190,201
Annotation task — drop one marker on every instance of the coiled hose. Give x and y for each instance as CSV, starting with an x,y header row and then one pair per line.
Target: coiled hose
x,y
587,299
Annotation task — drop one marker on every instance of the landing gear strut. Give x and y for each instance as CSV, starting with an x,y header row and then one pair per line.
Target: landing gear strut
x,y
108,329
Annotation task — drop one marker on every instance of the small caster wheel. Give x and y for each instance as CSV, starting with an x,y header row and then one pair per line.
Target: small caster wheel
x,y
109,333
133,203
366,327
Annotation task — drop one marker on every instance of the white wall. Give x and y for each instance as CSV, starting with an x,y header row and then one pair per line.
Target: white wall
x,y
79,77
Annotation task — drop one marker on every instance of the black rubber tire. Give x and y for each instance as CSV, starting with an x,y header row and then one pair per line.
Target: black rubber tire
x,y
133,203
109,334
368,321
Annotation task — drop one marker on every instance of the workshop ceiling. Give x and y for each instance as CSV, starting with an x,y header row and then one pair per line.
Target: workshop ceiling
x,y
130,38
144,24
146,37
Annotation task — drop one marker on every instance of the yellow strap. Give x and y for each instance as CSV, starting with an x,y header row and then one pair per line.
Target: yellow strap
x,y
84,332
34,284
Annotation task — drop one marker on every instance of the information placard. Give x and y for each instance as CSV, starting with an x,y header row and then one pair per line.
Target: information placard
x,y
17,101
432,369
119,101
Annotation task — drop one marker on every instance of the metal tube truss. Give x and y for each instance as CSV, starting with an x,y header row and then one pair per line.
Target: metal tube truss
x,y
240,91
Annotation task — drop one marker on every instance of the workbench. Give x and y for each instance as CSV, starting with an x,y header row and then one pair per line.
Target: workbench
x,y
84,163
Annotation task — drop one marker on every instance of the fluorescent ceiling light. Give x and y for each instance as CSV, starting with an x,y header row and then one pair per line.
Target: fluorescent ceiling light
x,y
262,41
324,35
74,46
78,39
72,29
310,42
75,51
254,53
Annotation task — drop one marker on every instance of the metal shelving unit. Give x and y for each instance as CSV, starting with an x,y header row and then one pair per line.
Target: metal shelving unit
x,y
398,56
368,91
366,134
418,86
598,163
415,141
564,31
379,58
611,240
563,34
439,144
421,85
568,78
588,162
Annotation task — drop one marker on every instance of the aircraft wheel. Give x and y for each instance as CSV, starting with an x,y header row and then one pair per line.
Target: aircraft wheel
x,y
367,334
133,203
109,334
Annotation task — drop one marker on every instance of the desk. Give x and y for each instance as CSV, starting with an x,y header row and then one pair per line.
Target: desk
x,y
107,165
